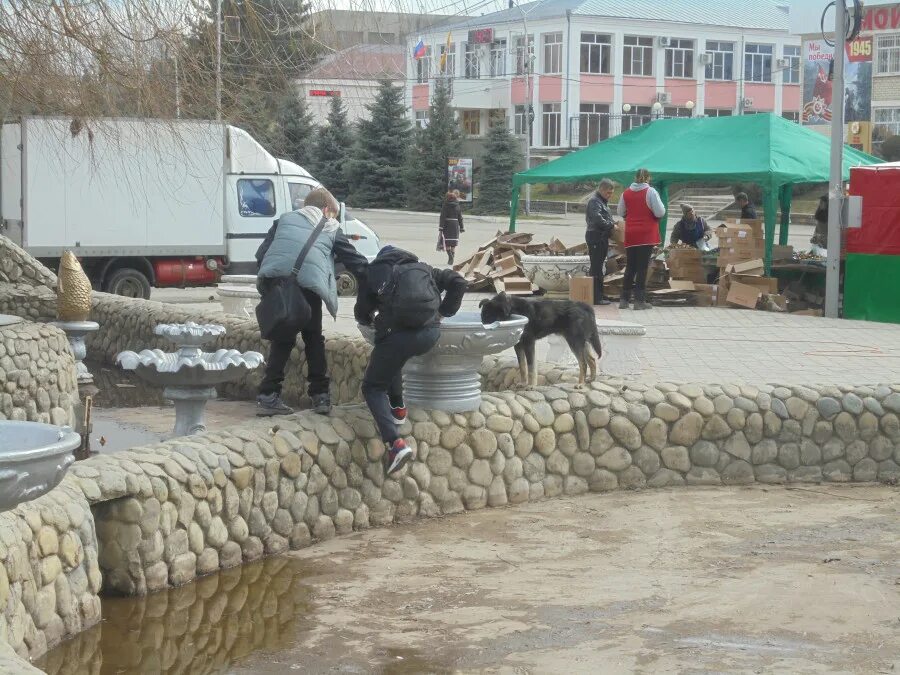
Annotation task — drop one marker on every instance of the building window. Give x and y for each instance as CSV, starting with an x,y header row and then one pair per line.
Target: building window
x,y
758,63
524,58
472,64
792,67
721,64
718,112
423,66
472,122
888,55
421,118
596,53
520,120
593,123
382,38
496,117
349,38
498,58
638,55
449,68
637,116
551,121
552,53
886,123
674,111
792,116
680,58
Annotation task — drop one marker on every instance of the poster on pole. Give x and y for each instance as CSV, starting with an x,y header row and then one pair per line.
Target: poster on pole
x,y
817,87
459,177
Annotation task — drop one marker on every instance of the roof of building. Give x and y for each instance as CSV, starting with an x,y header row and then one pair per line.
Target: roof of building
x,y
759,14
362,62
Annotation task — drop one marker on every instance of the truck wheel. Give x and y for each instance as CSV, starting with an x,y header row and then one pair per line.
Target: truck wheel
x,y
347,285
129,283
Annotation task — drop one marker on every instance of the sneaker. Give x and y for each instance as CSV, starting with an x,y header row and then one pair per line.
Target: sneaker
x,y
268,405
397,456
642,305
399,414
321,403
623,304
602,302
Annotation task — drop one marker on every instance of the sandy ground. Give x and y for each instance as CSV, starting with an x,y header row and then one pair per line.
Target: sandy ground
x,y
682,581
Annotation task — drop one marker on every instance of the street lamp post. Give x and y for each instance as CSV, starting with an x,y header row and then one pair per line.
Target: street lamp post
x,y
836,189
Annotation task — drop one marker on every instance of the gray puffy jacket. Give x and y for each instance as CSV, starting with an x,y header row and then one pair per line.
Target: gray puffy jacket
x,y
317,272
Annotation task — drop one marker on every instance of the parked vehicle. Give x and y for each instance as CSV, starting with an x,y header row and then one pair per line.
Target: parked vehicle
x,y
143,202
364,240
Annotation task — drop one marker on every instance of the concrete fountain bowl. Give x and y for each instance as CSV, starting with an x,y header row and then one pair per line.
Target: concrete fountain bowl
x,y
447,378
189,375
34,457
552,273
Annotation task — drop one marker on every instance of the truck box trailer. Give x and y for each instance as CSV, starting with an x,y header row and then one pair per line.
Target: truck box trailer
x,y
143,202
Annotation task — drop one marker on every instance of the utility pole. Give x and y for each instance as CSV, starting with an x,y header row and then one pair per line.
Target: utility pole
x,y
529,109
836,190
218,60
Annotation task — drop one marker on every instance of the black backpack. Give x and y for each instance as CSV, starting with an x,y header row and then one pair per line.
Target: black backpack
x,y
411,298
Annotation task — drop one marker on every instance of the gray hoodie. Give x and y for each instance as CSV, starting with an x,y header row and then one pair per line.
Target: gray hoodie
x,y
653,201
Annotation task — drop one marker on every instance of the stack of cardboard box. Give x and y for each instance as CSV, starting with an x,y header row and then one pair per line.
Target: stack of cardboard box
x,y
740,242
685,264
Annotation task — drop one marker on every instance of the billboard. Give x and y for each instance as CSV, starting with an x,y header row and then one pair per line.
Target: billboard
x,y
817,85
459,177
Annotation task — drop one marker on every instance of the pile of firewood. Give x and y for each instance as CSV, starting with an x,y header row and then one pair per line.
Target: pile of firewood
x,y
497,264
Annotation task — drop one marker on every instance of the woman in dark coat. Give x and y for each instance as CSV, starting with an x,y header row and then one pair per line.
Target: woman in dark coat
x,y
450,225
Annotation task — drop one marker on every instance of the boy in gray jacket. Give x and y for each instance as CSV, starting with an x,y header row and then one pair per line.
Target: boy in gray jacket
x,y
276,257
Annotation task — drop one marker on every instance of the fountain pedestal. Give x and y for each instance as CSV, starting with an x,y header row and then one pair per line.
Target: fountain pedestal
x,y
189,375
447,378
76,331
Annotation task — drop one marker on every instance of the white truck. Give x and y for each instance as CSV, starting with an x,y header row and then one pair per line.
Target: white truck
x,y
143,202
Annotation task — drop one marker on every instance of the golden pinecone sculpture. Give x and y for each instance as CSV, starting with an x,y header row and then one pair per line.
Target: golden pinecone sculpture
x,y
73,290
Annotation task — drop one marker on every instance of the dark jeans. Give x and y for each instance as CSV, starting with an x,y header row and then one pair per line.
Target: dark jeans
x,y
382,384
598,249
314,348
637,261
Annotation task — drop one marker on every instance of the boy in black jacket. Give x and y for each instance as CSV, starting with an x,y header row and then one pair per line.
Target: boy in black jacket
x,y
405,293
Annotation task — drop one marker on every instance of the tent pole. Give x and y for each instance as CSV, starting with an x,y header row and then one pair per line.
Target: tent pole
x,y
664,197
786,194
770,207
514,208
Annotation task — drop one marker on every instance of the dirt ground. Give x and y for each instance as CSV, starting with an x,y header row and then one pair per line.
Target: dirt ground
x,y
803,580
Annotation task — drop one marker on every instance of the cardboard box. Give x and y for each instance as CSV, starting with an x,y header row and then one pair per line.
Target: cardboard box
x,y
808,312
755,225
706,294
767,285
754,267
681,285
618,233
743,295
780,253
581,289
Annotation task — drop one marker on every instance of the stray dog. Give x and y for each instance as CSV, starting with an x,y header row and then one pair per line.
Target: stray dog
x,y
573,320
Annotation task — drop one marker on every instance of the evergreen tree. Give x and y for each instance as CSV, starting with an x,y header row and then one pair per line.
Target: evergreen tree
x,y
332,149
502,158
296,129
375,171
426,175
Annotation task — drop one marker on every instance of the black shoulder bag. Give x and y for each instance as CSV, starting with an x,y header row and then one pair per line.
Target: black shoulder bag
x,y
284,309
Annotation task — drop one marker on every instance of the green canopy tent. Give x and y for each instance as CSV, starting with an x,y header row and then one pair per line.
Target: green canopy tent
x,y
764,149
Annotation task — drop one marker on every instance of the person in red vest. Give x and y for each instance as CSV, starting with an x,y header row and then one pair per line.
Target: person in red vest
x,y
641,207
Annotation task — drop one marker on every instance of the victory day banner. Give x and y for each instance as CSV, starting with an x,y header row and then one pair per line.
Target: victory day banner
x,y
817,87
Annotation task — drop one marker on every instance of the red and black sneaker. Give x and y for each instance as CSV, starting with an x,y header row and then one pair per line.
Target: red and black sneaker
x,y
399,415
397,456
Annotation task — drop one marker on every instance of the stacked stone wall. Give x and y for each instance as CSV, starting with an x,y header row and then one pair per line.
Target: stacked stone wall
x,y
37,374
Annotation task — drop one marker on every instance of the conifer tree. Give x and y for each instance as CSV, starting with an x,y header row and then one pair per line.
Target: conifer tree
x,y
296,129
502,159
426,170
375,170
332,149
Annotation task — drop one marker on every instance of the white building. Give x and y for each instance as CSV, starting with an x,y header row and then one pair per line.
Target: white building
x,y
599,67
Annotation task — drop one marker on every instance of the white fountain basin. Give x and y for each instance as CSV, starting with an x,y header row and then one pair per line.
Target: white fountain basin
x,y
447,378
552,273
34,457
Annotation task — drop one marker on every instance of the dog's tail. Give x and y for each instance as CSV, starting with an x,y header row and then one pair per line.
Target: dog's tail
x,y
594,339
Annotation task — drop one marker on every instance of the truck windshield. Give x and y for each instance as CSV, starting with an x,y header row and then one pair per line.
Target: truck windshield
x,y
256,197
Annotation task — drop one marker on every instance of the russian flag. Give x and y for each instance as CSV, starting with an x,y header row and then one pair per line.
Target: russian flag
x,y
419,51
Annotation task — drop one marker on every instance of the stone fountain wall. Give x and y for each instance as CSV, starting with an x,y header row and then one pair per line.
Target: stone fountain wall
x,y
37,374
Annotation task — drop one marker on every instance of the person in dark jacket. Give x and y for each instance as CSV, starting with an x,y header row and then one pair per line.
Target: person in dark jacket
x,y
450,225
382,384
600,225
277,256
820,235
691,229
748,211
